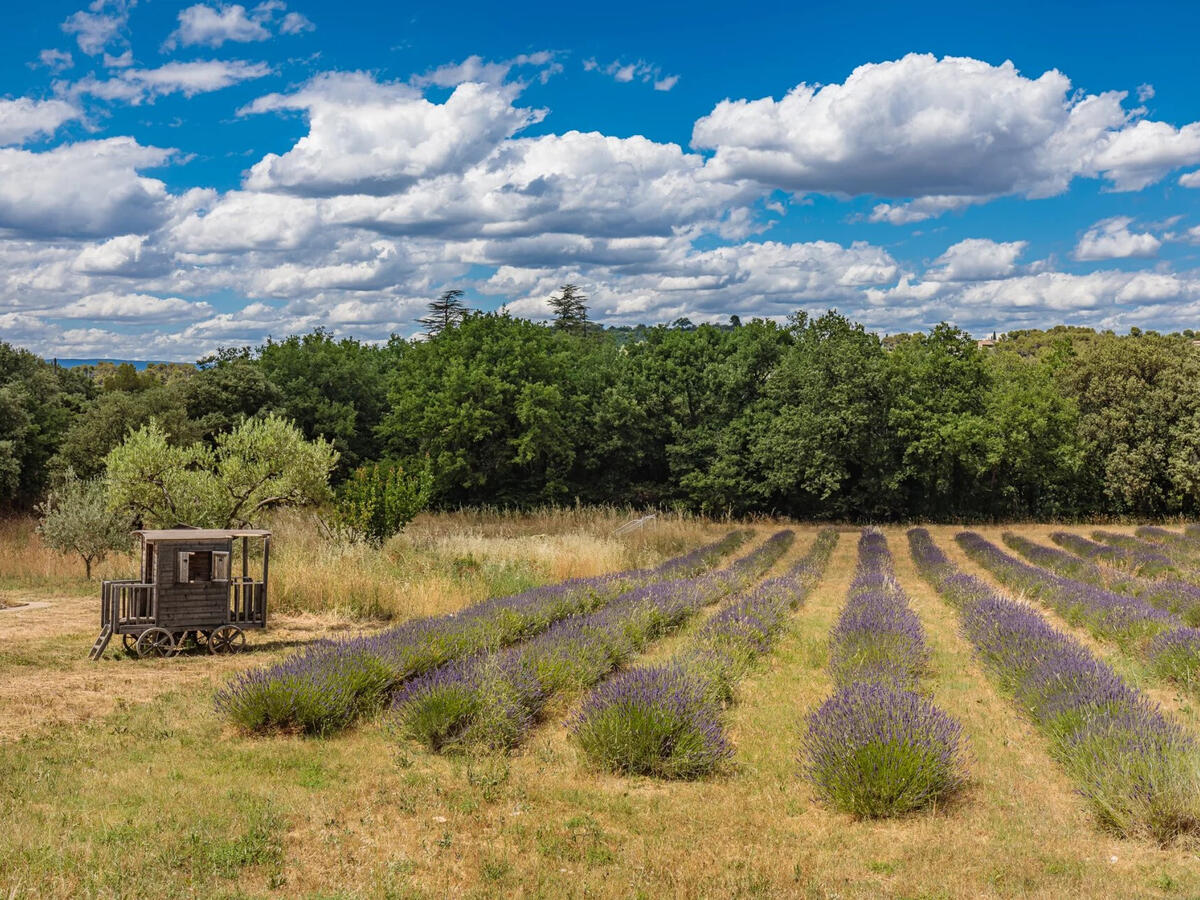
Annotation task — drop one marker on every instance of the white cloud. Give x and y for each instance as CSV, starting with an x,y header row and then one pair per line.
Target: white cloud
x,y
100,25
212,26
23,118
476,68
1145,92
86,189
640,70
920,209
137,86
1112,239
295,23
1190,179
977,259
940,130
379,138
115,307
56,60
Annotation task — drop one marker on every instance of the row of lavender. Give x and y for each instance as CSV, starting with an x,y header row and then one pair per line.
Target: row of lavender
x,y
666,720
330,684
877,747
1181,551
1171,648
1139,771
1144,561
491,700
1173,595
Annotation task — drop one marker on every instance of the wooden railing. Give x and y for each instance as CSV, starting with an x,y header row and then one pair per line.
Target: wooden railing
x,y
247,601
128,603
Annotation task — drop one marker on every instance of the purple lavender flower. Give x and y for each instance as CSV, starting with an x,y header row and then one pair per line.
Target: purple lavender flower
x,y
874,749
1139,770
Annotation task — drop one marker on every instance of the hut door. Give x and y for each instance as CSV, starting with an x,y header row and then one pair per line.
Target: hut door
x,y
148,568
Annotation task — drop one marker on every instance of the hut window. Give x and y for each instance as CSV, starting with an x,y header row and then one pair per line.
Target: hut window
x,y
183,566
220,565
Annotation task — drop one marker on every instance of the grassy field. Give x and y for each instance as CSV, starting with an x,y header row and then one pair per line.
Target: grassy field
x,y
118,779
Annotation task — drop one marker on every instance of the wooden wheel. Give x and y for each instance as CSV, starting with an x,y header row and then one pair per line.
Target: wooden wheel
x,y
200,637
156,642
130,642
226,639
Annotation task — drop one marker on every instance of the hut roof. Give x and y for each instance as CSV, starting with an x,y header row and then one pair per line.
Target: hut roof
x,y
200,534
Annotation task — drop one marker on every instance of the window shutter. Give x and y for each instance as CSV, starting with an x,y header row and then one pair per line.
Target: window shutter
x,y
220,565
181,571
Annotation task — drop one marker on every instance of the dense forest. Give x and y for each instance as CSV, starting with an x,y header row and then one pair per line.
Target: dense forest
x,y
816,419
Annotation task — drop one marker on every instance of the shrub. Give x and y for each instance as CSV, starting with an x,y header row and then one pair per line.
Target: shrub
x,y
379,499
874,750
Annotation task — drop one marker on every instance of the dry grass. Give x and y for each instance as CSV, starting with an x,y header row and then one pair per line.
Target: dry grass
x,y
27,563
446,560
360,816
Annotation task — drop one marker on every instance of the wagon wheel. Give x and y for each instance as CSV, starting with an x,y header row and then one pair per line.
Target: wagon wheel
x,y
200,637
156,642
226,639
130,642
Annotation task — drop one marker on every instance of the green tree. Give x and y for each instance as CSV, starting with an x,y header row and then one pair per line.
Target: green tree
x,y
260,464
444,312
230,387
331,389
76,518
570,309
379,499
824,447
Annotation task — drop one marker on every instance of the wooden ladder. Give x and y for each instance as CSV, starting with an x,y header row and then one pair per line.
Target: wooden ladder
x,y
101,642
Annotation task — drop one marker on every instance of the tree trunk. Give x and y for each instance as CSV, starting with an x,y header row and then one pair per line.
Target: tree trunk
x,y
87,566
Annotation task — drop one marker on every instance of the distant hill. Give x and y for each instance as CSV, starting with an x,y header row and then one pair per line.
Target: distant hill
x,y
138,364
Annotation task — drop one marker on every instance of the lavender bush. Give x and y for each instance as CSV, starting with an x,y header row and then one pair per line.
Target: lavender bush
x,y
328,685
1108,615
1129,553
876,747
1179,597
1138,770
491,700
665,720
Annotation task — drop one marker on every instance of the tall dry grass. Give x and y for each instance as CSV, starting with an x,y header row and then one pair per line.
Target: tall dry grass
x,y
27,563
445,561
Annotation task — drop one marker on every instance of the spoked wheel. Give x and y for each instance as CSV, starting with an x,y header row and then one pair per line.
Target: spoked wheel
x,y
227,639
201,638
130,642
156,642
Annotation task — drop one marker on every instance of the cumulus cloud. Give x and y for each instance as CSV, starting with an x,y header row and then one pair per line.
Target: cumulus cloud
x,y
1112,239
1190,179
941,131
640,70
99,26
378,138
212,26
23,118
86,189
977,259
138,86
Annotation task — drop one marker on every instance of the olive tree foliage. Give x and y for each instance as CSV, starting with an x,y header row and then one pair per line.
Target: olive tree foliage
x,y
76,518
259,464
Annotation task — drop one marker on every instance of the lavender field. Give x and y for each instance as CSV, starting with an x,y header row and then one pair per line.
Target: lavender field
x,y
764,709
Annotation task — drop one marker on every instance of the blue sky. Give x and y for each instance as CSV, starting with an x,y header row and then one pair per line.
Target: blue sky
x,y
179,176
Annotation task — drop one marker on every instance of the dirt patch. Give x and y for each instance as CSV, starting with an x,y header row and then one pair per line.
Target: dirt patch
x,y
46,678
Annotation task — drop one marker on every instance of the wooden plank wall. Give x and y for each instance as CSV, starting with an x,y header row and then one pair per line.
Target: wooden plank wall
x,y
197,603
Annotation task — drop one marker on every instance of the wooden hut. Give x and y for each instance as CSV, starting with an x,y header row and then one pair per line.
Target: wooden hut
x,y
187,590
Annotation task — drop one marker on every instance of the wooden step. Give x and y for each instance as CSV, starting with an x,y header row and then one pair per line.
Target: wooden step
x,y
101,642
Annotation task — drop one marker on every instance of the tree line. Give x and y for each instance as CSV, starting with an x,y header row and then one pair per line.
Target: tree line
x,y
817,418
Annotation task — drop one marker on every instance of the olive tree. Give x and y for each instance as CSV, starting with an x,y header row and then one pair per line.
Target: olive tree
x,y
259,464
76,518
